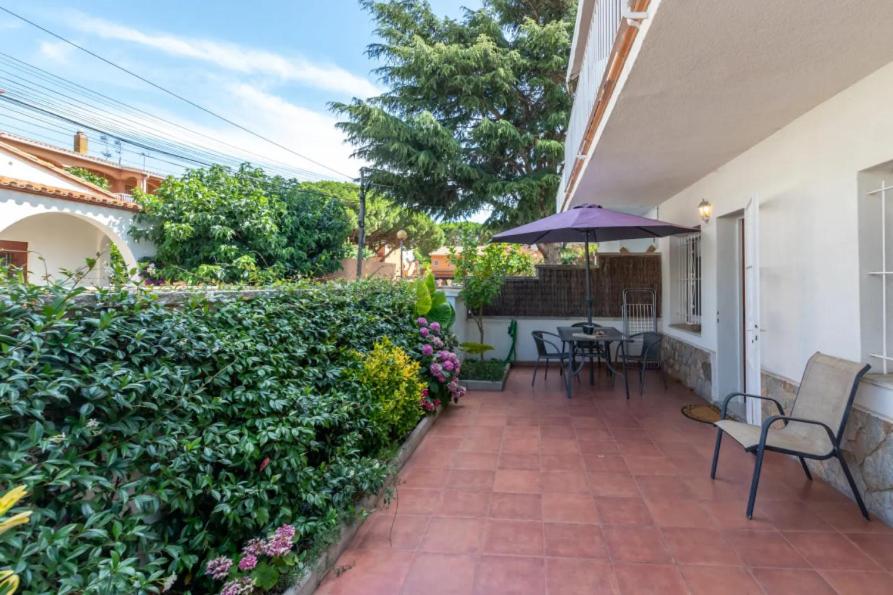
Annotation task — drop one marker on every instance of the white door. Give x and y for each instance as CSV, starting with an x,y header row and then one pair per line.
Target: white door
x,y
752,383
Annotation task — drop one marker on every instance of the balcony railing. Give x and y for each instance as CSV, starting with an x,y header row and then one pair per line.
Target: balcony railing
x,y
603,27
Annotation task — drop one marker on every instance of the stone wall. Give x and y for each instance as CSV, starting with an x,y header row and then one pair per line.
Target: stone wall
x,y
690,365
867,446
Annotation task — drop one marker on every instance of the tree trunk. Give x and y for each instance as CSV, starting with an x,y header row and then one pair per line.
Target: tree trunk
x,y
480,321
550,252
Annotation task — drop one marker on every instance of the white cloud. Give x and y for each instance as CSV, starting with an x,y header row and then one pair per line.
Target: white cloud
x,y
234,57
57,51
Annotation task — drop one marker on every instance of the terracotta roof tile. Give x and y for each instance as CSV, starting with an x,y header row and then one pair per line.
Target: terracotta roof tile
x,y
104,199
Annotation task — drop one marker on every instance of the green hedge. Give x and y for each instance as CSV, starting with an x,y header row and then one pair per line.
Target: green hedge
x,y
153,438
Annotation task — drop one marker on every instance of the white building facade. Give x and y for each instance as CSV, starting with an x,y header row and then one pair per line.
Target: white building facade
x,y
778,116
52,222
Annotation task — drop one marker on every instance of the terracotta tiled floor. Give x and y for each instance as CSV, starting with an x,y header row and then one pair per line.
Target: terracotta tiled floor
x,y
527,492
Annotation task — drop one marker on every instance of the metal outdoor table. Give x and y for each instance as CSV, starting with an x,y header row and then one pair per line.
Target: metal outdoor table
x,y
573,338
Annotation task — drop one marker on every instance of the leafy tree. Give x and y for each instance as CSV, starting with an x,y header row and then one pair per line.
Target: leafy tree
x,y
476,111
217,224
384,218
481,271
455,232
89,176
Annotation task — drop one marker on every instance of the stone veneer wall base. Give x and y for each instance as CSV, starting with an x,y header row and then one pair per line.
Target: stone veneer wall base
x,y
689,365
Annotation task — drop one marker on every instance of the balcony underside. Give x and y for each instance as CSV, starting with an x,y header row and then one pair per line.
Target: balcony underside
x,y
711,79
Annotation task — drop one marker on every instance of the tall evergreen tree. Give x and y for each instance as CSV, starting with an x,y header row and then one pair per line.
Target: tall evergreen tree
x,y
476,109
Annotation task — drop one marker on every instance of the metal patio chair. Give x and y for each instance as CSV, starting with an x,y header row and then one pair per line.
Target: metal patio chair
x,y
548,350
649,357
813,430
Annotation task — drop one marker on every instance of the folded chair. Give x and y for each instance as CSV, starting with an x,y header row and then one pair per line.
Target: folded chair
x,y
813,430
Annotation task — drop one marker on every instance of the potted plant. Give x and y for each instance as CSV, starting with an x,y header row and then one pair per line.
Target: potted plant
x,y
481,272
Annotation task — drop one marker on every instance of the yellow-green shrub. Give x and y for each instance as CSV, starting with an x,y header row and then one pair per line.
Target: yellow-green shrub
x,y
394,382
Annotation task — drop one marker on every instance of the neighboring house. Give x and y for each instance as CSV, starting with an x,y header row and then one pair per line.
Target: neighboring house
x,y
777,116
442,266
52,220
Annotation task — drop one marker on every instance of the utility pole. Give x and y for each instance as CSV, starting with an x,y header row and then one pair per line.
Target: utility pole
x,y
361,223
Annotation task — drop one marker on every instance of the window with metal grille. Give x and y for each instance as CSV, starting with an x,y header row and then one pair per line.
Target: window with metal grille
x,y
876,255
685,280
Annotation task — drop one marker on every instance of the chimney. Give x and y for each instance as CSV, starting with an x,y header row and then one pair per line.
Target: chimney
x,y
80,143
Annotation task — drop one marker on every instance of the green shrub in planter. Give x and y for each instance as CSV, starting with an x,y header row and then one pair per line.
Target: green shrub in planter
x,y
394,382
155,438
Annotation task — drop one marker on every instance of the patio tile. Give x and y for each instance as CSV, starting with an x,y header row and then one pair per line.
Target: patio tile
x,y
522,433
680,513
487,443
521,445
635,544
623,511
848,582
425,477
605,463
513,537
518,481
878,547
730,514
787,581
561,462
574,540
613,485
699,546
830,551
559,446
440,574
791,516
470,479
504,575
464,503
719,580
527,507
415,500
557,432
400,532
655,487
569,508
372,572
453,536
568,576
528,462
649,465
649,579
637,447
765,548
846,518
598,447
475,460
571,482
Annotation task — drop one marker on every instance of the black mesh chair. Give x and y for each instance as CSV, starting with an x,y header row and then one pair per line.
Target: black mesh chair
x,y
595,351
649,357
548,350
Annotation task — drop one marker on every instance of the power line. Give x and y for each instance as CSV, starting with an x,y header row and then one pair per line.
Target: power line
x,y
169,92
23,70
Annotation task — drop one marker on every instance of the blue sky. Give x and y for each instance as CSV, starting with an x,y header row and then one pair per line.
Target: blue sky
x,y
269,64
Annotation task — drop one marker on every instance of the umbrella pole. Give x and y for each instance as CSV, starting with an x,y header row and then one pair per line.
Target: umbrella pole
x,y
588,283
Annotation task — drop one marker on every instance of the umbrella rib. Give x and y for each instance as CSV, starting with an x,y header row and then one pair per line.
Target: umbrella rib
x,y
648,231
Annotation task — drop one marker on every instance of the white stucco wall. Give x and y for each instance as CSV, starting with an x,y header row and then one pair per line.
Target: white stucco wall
x,y
65,231
13,166
805,177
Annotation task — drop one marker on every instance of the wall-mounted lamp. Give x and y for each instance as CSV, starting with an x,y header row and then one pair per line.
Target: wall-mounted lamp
x,y
705,210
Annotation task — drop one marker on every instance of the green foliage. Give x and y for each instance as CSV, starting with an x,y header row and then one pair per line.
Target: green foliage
x,y
393,381
483,370
89,176
476,111
154,438
472,348
455,232
432,302
384,219
217,225
482,270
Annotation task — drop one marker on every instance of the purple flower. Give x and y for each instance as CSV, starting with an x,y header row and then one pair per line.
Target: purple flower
x,y
239,586
449,365
254,547
435,326
424,331
285,532
421,321
218,568
435,369
248,562
437,342
427,350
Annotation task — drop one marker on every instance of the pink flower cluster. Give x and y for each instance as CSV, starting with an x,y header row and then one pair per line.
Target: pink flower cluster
x,y
443,365
278,544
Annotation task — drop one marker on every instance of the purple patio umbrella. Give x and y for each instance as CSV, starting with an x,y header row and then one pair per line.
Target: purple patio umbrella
x,y
589,223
